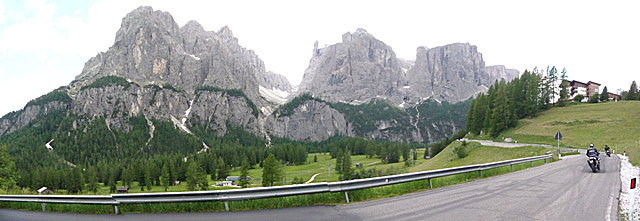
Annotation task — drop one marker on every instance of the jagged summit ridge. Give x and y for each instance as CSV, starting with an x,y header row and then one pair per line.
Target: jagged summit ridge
x,y
362,67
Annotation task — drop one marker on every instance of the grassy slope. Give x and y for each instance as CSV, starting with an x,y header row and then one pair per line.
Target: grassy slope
x,y
447,158
478,154
616,124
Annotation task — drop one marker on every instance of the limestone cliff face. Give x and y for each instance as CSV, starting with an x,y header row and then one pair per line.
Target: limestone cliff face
x,y
19,119
311,121
359,68
150,51
275,81
453,73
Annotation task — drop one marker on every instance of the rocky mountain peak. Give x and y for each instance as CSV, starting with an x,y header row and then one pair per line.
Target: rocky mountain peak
x,y
362,67
192,26
156,23
356,70
359,34
226,33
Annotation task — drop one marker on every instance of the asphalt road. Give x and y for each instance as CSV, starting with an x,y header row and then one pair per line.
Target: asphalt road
x,y
564,190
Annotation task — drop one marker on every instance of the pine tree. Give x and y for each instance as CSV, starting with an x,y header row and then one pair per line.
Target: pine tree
x,y
213,168
552,76
346,167
564,93
339,159
77,180
469,122
501,117
480,110
192,176
148,178
112,181
633,93
604,97
203,182
8,175
243,179
315,158
164,178
127,177
271,171
223,170
173,173
93,179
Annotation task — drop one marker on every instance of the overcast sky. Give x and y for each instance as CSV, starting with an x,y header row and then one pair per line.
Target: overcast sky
x,y
44,44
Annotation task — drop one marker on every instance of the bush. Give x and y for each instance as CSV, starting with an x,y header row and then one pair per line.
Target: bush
x,y
578,98
594,98
462,151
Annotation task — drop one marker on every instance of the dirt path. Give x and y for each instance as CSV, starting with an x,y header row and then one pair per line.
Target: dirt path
x,y
506,145
312,178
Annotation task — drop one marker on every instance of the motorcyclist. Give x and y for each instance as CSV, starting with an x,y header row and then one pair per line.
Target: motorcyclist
x,y
606,147
592,151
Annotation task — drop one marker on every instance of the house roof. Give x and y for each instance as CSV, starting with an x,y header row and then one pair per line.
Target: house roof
x,y
42,189
123,188
236,178
591,82
574,82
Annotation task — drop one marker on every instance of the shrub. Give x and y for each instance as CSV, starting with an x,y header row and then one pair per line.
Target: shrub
x,y
462,151
594,98
578,98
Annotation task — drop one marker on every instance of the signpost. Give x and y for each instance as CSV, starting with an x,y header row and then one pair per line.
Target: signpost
x,y
558,137
632,194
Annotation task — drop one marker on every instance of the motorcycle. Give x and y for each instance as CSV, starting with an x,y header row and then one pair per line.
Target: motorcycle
x,y
609,153
594,163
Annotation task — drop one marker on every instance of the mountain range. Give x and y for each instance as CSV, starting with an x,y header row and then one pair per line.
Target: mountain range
x,y
203,84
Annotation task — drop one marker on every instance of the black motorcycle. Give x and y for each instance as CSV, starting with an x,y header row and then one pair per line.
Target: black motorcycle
x,y
608,153
594,163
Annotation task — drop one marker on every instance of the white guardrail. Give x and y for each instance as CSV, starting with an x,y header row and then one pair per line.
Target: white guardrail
x,y
263,192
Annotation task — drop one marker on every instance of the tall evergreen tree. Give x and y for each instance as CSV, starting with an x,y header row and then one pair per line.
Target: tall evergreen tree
x,y
552,75
469,122
604,97
244,173
93,179
564,93
148,180
164,178
127,177
112,183
223,170
8,175
271,171
633,93
339,159
77,181
346,167
564,75
192,176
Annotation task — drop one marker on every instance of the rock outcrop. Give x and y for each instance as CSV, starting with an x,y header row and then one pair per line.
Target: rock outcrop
x,y
311,121
361,68
453,73
151,52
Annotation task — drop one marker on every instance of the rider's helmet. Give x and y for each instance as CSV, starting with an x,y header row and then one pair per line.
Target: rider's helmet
x,y
591,145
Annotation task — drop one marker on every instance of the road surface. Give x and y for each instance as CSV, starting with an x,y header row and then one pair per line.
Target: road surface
x,y
564,190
